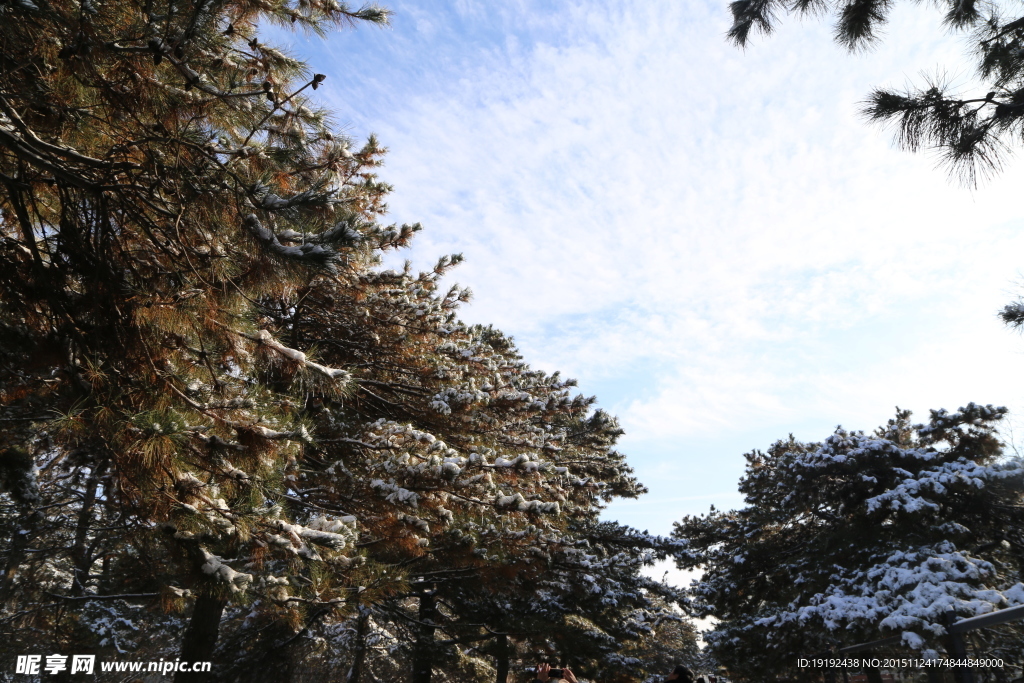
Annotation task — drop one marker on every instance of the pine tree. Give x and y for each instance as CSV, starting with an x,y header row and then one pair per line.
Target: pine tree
x,y
228,434
861,537
162,170
670,642
973,134
475,478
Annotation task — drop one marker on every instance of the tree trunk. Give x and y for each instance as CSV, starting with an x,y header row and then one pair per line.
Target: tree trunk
x,y
501,654
81,556
423,650
957,648
200,638
359,655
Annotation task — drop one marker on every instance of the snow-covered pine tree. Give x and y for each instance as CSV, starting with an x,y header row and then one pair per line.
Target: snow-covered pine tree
x,y
972,133
215,403
861,537
476,480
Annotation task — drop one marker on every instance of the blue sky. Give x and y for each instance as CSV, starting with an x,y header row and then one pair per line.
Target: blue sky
x,y
710,240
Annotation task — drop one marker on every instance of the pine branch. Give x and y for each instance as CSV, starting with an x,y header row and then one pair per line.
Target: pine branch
x,y
124,596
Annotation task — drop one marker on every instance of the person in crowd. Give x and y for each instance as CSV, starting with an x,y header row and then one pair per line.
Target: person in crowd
x,y
544,674
681,674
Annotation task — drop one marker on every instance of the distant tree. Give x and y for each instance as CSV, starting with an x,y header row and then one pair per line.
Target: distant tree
x,y
972,133
670,642
861,537
588,608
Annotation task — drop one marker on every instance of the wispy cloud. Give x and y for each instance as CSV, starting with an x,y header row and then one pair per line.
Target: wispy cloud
x,y
714,235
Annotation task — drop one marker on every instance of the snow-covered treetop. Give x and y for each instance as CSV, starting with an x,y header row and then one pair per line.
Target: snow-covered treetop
x,y
863,535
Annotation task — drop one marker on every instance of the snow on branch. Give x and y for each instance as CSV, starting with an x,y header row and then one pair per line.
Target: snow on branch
x,y
329,533
264,337
213,565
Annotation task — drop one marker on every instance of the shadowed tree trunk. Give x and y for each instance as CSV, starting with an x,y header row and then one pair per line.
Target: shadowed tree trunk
x,y
81,555
423,652
501,651
359,654
201,637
